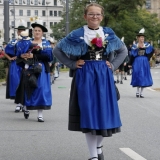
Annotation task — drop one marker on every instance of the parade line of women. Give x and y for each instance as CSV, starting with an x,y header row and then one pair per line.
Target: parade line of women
x,y
89,52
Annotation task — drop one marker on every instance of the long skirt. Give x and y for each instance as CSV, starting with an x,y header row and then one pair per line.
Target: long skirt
x,y
41,97
141,74
93,103
13,80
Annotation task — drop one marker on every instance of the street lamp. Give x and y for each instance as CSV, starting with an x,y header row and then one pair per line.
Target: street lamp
x,y
47,2
6,20
67,17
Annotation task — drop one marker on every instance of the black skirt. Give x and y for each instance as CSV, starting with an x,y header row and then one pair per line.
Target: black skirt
x,y
74,116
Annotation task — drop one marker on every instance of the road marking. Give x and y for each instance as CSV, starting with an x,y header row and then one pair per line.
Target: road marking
x,y
150,89
132,154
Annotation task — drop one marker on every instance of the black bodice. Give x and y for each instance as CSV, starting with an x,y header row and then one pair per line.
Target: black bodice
x,y
96,54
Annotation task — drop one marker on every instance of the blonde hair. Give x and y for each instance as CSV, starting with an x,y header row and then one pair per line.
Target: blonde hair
x,y
93,4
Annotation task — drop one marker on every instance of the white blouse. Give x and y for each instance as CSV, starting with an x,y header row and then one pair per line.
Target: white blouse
x,y
89,34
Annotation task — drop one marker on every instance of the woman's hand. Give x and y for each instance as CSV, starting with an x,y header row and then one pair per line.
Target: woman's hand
x,y
129,66
80,63
13,58
108,64
27,55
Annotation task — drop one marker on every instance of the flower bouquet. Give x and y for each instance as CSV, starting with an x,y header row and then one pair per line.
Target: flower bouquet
x,y
97,46
97,42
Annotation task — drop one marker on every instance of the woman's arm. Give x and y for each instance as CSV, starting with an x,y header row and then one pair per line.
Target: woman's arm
x,y
63,58
120,56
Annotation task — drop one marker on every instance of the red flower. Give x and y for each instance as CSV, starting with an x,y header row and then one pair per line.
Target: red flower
x,y
97,42
94,41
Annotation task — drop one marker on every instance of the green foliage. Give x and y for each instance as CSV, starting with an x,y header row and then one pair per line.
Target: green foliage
x,y
2,70
125,18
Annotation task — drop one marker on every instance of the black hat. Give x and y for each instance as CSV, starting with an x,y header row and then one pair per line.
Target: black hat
x,y
44,29
4,43
21,28
141,33
21,25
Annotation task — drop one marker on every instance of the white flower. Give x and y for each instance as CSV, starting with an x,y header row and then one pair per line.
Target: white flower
x,y
106,35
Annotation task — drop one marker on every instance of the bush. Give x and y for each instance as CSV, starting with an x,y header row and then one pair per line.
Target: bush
x,y
2,70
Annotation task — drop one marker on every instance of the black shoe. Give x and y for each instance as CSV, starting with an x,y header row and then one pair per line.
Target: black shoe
x,y
137,95
26,114
40,119
121,82
18,108
117,81
23,109
125,78
141,96
100,156
93,158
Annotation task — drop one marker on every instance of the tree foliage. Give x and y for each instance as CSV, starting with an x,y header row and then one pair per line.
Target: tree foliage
x,y
125,18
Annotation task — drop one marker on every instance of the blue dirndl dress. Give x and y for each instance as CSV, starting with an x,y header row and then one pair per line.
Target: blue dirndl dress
x,y
39,97
97,97
14,71
141,74
93,105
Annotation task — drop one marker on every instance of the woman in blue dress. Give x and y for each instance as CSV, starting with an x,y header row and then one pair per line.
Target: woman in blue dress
x,y
13,77
89,53
141,52
34,90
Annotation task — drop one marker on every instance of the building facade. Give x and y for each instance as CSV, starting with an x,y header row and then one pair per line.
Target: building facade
x,y
153,6
48,10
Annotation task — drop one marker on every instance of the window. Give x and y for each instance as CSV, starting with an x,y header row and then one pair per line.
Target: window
x,y
43,2
28,2
51,24
55,13
55,23
20,2
148,4
12,12
28,13
36,2
59,13
12,1
12,24
44,24
50,13
55,2
20,12
28,24
43,13
36,12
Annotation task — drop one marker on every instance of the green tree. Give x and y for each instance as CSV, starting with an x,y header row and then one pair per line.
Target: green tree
x,y
126,19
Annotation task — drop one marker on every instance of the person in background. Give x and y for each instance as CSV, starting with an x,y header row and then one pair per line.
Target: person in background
x,y
52,63
141,52
89,53
6,62
14,72
120,71
34,90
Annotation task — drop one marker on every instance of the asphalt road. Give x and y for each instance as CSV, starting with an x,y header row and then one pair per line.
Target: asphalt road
x,y
22,139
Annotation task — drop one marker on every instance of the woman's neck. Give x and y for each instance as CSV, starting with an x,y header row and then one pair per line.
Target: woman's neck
x,y
93,28
37,40
140,44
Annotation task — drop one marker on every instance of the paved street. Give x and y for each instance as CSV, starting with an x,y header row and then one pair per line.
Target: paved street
x,y
22,139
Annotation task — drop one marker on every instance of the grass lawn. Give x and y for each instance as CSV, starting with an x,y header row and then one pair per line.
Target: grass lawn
x,y
64,69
